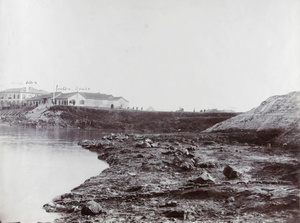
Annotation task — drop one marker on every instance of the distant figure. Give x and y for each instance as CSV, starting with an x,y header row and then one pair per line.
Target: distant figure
x,y
136,108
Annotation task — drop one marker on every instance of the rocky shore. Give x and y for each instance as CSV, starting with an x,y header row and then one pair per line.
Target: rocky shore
x,y
184,177
245,169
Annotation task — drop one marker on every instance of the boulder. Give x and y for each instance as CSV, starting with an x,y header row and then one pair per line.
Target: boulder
x,y
187,164
204,178
230,173
91,208
143,145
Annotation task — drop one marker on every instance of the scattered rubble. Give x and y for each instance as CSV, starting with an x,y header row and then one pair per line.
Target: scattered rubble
x,y
181,179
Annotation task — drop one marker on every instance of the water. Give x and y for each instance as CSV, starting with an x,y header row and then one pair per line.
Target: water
x,y
37,164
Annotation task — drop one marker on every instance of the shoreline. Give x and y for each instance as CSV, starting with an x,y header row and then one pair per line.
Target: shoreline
x,y
181,174
160,177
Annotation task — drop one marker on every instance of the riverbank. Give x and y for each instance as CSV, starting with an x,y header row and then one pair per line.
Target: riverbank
x,y
188,177
173,171
113,119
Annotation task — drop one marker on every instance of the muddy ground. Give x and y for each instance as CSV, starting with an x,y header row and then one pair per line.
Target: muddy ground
x,y
186,177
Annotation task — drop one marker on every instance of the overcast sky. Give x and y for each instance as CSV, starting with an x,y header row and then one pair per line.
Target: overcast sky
x,y
195,54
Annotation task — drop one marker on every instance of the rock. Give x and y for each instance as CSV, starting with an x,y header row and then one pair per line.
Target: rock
x,y
230,199
170,204
143,145
132,174
175,214
91,208
230,173
148,141
155,145
204,178
187,164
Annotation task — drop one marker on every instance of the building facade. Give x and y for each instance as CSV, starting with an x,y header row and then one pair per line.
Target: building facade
x,y
16,97
81,99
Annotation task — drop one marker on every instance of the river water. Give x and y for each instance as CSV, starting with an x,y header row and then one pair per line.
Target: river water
x,y
38,164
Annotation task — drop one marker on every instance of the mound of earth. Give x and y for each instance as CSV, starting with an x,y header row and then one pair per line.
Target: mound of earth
x,y
280,113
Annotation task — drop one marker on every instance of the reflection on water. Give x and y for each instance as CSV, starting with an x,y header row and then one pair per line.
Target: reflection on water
x,y
37,165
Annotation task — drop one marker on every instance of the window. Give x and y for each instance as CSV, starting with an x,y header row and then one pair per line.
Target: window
x,y
82,102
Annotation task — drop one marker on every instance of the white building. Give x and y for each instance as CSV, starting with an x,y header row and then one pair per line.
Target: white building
x,y
82,99
17,96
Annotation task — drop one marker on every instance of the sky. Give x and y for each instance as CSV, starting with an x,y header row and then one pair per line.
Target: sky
x,y
167,54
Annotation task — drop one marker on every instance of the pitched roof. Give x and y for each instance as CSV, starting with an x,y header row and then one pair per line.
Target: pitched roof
x,y
31,90
65,95
50,95
118,98
96,96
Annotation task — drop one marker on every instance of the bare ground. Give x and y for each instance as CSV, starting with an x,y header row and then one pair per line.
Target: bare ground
x,y
226,176
180,178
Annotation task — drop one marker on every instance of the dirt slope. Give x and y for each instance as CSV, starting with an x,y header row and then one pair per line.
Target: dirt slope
x,y
280,113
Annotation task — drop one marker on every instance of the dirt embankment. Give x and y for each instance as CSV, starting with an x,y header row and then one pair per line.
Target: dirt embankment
x,y
121,120
184,177
278,117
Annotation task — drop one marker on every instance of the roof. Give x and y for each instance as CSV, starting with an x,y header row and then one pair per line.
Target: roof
x,y
86,95
50,95
31,90
96,96
65,95
118,98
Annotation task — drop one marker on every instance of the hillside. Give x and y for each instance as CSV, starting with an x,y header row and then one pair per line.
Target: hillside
x,y
279,114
